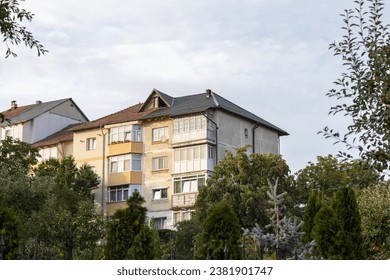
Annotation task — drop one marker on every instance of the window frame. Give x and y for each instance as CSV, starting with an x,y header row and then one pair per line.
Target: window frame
x,y
187,184
159,132
124,163
89,141
160,163
160,194
122,189
125,133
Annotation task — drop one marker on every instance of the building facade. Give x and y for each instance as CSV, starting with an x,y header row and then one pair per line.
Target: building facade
x,y
164,148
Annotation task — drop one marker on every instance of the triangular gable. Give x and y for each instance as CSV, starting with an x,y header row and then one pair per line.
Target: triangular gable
x,y
157,99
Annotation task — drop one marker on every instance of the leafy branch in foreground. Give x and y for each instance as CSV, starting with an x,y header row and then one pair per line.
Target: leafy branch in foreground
x,y
365,85
11,15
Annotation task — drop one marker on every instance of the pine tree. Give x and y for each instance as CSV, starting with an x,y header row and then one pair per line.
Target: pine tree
x,y
128,235
221,233
349,238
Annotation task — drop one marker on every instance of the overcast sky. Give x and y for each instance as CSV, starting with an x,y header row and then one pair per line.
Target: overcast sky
x,y
270,57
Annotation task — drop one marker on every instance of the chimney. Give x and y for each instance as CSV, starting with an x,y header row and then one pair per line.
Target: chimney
x,y
38,102
13,104
208,93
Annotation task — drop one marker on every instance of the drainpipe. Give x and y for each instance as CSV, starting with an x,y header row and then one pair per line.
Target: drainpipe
x,y
216,136
253,136
103,200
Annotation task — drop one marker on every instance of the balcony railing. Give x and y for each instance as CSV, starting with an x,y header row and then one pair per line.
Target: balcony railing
x,y
184,200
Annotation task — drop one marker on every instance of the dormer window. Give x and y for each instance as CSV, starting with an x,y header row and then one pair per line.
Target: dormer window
x,y
158,102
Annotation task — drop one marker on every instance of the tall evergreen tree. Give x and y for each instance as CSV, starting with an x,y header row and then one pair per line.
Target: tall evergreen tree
x,y
349,238
220,234
128,234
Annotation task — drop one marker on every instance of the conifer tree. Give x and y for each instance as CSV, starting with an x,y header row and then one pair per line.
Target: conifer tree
x,y
128,235
221,233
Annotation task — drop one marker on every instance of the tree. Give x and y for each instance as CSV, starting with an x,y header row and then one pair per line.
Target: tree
x,y
374,207
220,234
365,85
283,241
184,239
17,156
329,174
128,235
244,178
337,228
325,232
314,204
11,15
69,222
9,233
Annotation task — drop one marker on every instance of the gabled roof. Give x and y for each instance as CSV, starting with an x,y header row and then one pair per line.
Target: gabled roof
x,y
197,103
29,112
129,114
64,135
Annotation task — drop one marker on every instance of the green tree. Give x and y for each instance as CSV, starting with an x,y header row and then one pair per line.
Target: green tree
x,y
11,15
184,240
128,235
326,227
314,204
17,156
69,222
221,233
244,178
329,174
337,228
9,233
365,85
374,207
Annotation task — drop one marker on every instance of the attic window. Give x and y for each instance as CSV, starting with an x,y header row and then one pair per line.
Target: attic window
x,y
158,103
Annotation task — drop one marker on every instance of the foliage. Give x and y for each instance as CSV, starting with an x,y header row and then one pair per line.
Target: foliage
x,y
68,225
243,180
325,232
314,204
284,239
365,85
184,240
11,15
9,233
374,207
17,156
128,235
221,231
329,174
337,228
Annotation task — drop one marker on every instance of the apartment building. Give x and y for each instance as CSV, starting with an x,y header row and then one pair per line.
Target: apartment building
x,y
164,148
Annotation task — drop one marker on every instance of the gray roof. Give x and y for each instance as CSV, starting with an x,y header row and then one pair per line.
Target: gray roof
x,y
197,103
36,110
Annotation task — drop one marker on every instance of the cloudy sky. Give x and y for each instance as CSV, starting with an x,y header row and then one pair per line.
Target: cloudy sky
x,y
269,56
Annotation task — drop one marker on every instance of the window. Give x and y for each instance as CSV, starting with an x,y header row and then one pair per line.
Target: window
x,y
125,133
8,133
160,194
159,223
122,193
48,153
129,162
188,184
91,144
187,124
159,163
181,216
246,132
211,152
160,134
189,159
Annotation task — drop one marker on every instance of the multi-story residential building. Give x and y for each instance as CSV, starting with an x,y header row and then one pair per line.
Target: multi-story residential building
x,y
184,138
32,123
164,148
